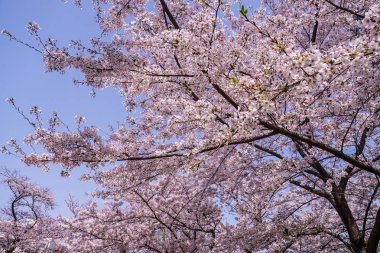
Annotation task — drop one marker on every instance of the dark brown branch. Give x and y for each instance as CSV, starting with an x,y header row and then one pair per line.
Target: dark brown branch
x,y
322,146
344,180
155,215
369,208
174,154
152,248
314,34
345,9
170,75
376,158
268,151
310,189
307,33
341,206
242,141
348,129
337,236
315,164
214,22
166,20
166,11
314,173
170,15
360,146
13,209
225,95
374,237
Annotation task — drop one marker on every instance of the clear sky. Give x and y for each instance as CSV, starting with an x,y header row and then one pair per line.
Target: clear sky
x,y
23,77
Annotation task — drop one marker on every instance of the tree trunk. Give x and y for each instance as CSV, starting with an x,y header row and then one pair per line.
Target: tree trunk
x,y
374,237
341,206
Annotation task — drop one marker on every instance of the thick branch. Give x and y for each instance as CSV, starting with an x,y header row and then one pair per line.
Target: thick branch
x,y
268,151
322,146
344,211
315,29
345,9
176,153
374,237
369,208
225,95
316,165
361,145
170,15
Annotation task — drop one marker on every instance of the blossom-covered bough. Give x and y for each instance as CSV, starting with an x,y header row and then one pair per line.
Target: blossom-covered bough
x,y
257,129
25,225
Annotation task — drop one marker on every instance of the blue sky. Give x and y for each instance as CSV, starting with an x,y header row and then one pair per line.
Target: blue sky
x,y
24,78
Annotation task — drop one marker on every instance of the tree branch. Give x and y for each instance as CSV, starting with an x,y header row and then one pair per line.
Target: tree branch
x,y
322,146
314,34
360,147
374,237
345,9
268,151
225,95
369,208
310,189
170,15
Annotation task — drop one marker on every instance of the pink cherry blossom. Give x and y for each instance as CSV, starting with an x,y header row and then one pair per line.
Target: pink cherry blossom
x,y
257,130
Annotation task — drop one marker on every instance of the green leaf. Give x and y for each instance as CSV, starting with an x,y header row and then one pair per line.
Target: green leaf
x,y
233,80
243,11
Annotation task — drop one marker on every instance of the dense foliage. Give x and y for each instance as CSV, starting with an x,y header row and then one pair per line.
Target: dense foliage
x,y
25,224
256,129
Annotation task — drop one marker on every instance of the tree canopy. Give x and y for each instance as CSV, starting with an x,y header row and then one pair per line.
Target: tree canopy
x,y
247,129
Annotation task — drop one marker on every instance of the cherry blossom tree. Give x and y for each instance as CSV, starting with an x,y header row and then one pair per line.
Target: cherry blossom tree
x,y
25,225
257,129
